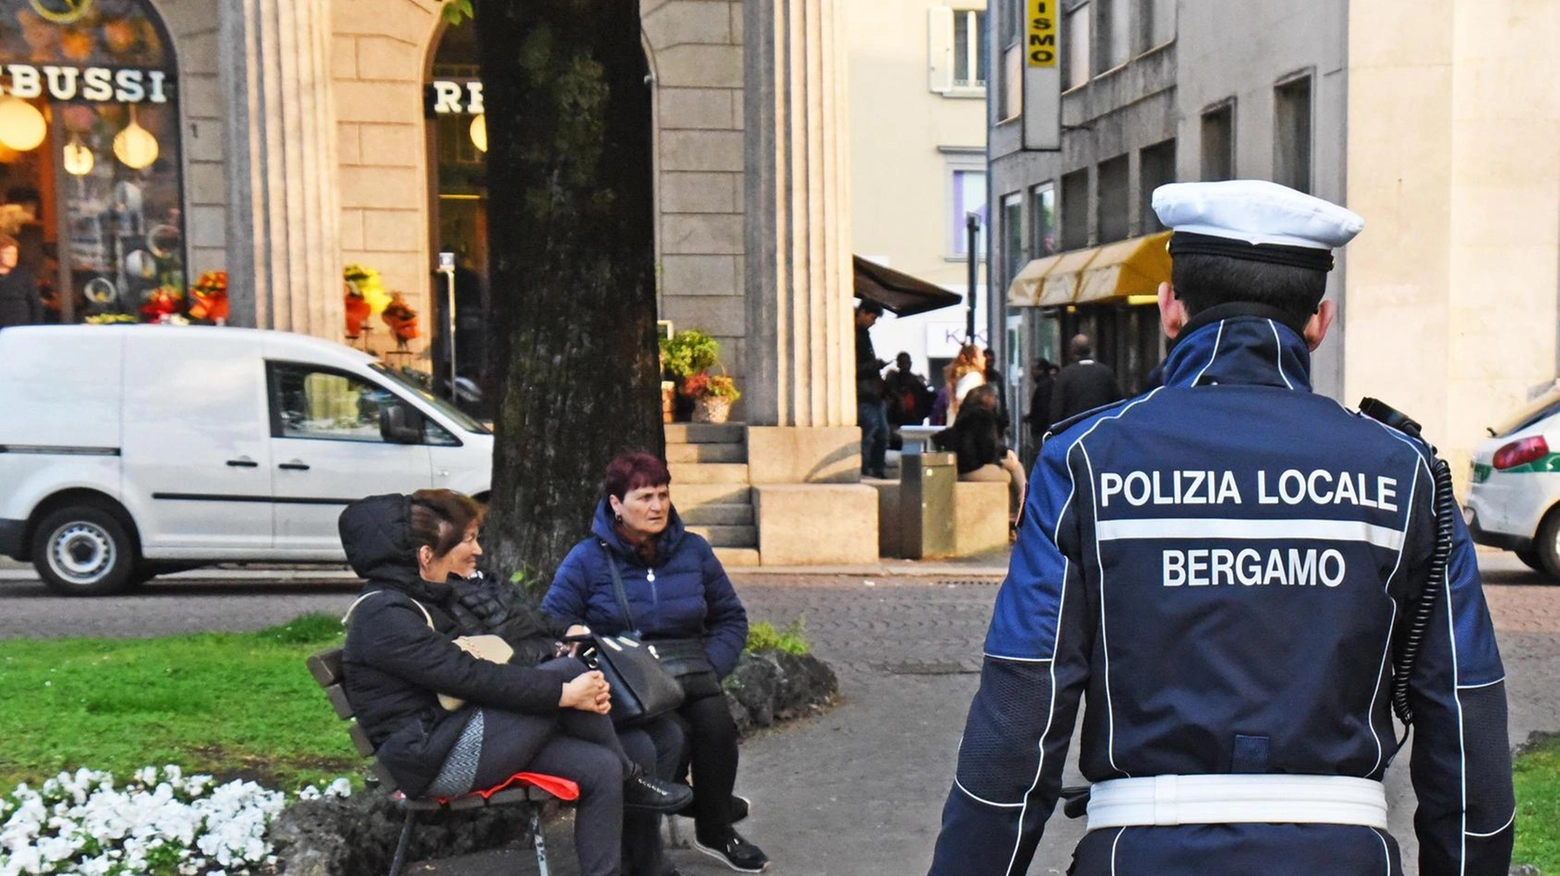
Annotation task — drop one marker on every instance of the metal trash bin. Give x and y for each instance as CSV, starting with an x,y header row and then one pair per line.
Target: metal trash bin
x,y
926,504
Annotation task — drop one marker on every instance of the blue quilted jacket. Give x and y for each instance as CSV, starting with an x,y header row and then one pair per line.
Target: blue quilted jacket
x,y
684,594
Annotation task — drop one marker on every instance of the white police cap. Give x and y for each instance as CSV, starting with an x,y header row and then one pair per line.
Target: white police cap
x,y
1258,212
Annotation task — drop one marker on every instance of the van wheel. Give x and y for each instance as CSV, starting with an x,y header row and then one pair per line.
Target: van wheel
x,y
83,551
1530,559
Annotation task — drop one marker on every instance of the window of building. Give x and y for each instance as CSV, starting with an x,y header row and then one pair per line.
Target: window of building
x,y
1218,142
1075,32
969,196
1156,167
1115,199
1156,24
1014,255
1042,220
1010,32
1075,210
90,161
969,48
1113,30
1292,133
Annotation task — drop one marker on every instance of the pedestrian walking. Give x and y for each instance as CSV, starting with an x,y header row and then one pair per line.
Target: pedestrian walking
x,y
1248,580
19,301
1084,385
1043,375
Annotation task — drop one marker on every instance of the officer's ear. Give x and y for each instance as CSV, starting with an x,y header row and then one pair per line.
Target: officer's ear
x,y
1172,311
1316,326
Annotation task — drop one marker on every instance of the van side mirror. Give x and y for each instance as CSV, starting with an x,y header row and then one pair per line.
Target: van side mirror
x,y
397,425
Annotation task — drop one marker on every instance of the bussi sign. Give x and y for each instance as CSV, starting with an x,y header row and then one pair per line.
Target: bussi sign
x,y
1042,76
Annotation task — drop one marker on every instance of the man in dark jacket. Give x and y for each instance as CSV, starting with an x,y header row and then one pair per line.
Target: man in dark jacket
x,y
1039,414
1084,385
871,414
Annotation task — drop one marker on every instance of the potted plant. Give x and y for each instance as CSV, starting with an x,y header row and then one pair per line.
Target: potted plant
x,y
684,354
712,394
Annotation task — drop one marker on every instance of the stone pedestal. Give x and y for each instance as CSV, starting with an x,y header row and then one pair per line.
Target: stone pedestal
x,y
816,524
283,242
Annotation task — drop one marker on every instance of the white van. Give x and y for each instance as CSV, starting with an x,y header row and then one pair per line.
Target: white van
x,y
128,451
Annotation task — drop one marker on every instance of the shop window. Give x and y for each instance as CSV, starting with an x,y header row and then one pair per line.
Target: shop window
x,y
90,158
1218,143
1042,220
1114,198
1156,167
1292,134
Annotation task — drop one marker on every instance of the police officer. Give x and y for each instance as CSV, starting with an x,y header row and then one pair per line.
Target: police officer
x,y
1228,566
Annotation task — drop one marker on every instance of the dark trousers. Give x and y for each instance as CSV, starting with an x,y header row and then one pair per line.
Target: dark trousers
x,y
582,746
657,748
872,416
712,753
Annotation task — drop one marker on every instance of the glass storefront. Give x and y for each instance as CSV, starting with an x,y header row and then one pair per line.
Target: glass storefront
x,y
90,157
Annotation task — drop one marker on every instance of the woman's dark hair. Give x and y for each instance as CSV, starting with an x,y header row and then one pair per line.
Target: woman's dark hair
x,y
1204,281
983,396
440,519
631,471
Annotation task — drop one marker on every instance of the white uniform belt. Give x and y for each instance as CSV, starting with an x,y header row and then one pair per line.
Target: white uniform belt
x,y
1237,799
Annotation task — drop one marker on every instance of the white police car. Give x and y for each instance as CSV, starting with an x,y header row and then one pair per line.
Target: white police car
x,y
1514,502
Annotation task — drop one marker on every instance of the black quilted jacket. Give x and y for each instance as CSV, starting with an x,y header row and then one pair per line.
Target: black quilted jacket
x,y
395,664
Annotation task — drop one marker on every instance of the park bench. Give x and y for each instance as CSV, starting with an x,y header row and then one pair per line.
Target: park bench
x,y
529,790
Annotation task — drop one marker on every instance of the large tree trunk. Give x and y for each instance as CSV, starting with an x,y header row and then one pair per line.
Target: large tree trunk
x,y
571,227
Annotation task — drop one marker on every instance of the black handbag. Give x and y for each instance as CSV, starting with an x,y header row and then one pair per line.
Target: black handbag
x,y
683,659
641,689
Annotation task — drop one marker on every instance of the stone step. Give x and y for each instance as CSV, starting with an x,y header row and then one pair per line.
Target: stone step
x,y
688,497
728,536
685,473
705,453
717,514
736,557
705,433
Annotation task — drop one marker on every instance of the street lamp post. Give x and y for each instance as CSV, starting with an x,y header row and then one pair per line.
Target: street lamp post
x,y
972,234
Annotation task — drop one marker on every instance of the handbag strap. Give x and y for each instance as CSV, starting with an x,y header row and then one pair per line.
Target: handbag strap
x,y
617,587
347,618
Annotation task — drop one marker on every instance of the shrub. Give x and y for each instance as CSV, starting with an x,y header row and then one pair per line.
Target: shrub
x,y
763,636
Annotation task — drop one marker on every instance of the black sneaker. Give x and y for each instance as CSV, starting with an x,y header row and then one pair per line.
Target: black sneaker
x,y
645,792
736,853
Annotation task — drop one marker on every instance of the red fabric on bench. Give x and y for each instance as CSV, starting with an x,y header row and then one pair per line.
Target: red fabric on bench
x,y
563,789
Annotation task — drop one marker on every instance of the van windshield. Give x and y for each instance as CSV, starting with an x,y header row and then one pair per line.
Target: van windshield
x,y
461,418
1544,406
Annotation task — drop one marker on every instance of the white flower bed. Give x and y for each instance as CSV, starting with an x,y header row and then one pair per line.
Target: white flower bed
x,y
161,823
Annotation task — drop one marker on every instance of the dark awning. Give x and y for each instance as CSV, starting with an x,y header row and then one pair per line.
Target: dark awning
x,y
898,292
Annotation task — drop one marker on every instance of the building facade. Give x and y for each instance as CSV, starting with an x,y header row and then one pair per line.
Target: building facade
x,y
1342,100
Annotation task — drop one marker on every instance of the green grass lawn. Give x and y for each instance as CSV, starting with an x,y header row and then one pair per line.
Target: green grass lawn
x,y
1538,807
231,704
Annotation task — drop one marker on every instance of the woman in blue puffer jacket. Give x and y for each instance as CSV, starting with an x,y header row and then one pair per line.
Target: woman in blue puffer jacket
x,y
676,589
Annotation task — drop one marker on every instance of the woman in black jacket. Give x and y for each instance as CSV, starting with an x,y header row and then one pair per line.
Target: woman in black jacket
x,y
401,655
975,438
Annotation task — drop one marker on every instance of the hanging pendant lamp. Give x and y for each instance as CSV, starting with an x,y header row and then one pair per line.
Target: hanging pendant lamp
x,y
22,127
78,160
135,147
479,132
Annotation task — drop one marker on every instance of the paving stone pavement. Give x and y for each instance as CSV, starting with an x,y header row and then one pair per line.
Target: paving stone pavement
x,y
858,790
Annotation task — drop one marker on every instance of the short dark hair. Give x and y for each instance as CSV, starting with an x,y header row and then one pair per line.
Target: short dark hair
x,y
22,195
630,471
1204,281
872,307
440,518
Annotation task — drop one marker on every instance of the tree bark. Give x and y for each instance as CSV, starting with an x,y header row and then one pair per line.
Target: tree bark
x,y
571,231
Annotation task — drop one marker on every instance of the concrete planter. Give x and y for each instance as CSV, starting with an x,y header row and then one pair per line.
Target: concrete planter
x,y
711,409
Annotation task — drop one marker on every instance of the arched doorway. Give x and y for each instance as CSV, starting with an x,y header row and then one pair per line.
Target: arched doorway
x,y
90,161
457,140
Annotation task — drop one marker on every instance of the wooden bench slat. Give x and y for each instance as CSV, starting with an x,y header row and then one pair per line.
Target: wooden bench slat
x,y
338,701
360,739
468,801
326,667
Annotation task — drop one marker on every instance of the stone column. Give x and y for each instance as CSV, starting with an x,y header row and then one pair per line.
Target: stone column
x,y
283,242
804,450
801,334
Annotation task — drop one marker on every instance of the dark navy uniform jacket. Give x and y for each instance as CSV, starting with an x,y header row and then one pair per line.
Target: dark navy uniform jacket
x,y
1224,566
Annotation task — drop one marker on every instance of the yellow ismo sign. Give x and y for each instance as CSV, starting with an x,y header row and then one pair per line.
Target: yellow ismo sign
x,y
1041,45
